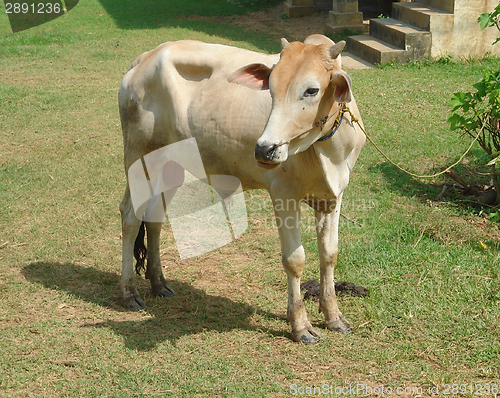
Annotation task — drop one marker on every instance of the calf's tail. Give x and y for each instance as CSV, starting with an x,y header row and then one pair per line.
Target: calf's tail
x,y
140,250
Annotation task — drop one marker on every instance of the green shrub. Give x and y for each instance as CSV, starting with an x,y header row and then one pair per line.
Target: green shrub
x,y
478,113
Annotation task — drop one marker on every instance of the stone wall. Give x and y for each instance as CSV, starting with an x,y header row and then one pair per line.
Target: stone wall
x,y
464,38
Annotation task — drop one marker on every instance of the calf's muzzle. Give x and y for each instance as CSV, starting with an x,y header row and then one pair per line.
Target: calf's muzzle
x,y
265,153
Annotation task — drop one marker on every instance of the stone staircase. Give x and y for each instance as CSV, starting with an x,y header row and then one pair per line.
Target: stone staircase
x,y
407,36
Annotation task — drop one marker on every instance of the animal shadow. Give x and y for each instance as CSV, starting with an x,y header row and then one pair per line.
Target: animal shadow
x,y
154,14
190,311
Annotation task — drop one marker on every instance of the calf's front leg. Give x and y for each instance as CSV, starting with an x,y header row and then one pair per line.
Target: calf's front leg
x,y
293,258
327,225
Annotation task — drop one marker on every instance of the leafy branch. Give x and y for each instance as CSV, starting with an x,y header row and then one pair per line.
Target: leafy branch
x,y
487,20
477,113
479,108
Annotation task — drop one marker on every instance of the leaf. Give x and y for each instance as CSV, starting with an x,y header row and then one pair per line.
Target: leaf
x,y
494,96
481,87
484,20
483,245
457,100
456,121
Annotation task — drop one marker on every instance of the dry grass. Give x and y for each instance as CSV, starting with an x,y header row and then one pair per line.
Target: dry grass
x,y
432,317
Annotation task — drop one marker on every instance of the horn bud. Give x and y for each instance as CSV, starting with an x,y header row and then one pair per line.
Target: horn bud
x,y
336,49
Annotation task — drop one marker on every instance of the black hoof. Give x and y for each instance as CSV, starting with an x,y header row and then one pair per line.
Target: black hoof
x,y
341,329
307,336
165,291
308,339
160,288
134,304
339,326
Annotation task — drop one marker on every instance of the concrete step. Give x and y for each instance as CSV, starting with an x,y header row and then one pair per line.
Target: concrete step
x,y
350,61
443,5
416,42
422,16
375,50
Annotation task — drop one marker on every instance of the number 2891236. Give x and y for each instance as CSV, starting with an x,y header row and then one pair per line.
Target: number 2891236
x,y
33,8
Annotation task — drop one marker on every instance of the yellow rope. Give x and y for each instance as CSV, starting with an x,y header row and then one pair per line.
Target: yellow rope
x,y
356,120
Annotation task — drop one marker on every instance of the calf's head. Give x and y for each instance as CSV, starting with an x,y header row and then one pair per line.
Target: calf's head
x,y
305,85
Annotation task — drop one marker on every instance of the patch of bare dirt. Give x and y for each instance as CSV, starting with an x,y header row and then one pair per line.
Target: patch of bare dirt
x,y
226,271
276,23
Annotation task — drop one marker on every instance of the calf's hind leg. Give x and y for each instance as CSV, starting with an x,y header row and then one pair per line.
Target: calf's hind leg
x,y
154,272
130,228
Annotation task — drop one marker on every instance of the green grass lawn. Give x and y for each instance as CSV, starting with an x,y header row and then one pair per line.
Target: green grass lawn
x,y
432,317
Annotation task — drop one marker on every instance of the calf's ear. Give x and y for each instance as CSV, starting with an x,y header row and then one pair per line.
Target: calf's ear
x,y
342,85
254,76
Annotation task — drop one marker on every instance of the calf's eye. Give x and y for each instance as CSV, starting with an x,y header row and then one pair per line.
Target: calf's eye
x,y
311,92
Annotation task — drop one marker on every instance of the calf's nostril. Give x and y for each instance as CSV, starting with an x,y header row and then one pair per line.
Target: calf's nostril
x,y
264,153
